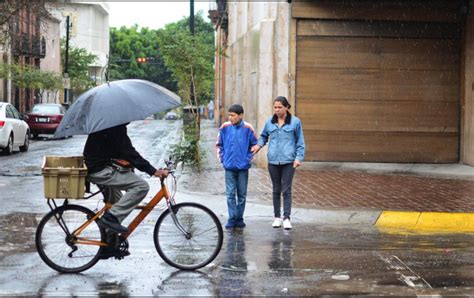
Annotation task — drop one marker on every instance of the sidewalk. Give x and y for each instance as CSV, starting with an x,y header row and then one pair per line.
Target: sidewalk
x,y
411,190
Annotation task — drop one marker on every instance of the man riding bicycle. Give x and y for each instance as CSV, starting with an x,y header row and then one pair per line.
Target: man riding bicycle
x,y
110,158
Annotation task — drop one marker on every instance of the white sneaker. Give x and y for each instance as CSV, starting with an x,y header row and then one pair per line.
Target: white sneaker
x,y
277,222
287,224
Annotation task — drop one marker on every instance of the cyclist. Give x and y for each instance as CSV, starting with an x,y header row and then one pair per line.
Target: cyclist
x,y
110,158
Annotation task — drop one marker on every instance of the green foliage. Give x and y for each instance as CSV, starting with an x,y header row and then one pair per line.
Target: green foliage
x,y
126,45
78,68
190,58
29,77
187,150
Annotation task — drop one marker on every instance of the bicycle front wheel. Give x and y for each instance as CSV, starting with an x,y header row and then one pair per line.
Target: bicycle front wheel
x,y
189,237
59,249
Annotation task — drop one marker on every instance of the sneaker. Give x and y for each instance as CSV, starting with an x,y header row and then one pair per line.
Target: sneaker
x,y
240,225
287,224
229,226
109,221
276,222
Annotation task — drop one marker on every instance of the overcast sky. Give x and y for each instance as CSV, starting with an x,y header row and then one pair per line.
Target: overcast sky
x,y
151,14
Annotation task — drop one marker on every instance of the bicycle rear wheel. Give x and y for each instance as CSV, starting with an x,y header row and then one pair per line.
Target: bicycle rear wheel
x,y
56,245
197,245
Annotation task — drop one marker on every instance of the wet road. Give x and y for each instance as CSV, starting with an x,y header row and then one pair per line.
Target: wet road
x,y
311,259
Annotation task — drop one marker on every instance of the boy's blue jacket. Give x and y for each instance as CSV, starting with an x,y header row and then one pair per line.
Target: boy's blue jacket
x,y
286,142
233,145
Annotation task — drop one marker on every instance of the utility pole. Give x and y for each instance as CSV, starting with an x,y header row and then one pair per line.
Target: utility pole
x,y
66,62
191,16
191,28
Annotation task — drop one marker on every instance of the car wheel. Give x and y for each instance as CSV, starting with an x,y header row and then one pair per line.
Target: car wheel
x,y
35,135
26,144
9,149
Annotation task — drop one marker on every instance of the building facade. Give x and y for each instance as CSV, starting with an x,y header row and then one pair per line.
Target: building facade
x,y
89,30
52,61
371,81
28,46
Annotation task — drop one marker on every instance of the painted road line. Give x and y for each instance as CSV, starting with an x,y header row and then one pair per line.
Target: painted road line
x,y
427,221
405,274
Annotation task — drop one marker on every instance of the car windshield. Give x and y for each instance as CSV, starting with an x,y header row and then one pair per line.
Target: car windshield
x,y
46,109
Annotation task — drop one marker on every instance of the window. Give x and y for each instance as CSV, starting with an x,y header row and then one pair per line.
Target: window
x,y
9,112
46,109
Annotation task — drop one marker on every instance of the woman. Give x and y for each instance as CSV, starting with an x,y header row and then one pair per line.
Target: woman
x,y
285,154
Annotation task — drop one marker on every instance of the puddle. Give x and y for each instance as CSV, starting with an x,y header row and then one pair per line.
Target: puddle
x,y
18,233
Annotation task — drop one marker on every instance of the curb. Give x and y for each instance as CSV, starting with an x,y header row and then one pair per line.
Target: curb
x,y
427,221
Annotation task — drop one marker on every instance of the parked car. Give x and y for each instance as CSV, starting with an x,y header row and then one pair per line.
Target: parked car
x,y
14,131
44,118
171,116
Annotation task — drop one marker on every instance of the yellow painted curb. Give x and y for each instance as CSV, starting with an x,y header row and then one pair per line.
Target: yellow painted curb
x,y
427,221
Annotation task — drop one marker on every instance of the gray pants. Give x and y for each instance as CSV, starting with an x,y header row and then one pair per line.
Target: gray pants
x,y
114,182
282,178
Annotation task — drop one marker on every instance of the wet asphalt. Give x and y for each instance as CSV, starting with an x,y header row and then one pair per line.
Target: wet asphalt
x,y
342,254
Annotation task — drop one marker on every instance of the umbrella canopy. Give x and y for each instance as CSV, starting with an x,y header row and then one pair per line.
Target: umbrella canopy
x,y
115,103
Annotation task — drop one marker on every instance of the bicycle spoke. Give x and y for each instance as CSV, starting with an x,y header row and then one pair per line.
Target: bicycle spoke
x,y
58,250
199,246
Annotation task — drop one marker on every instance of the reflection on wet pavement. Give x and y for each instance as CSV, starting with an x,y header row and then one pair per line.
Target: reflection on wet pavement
x,y
62,285
232,281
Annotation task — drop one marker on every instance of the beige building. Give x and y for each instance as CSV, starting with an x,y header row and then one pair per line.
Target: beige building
x,y
89,30
371,81
52,61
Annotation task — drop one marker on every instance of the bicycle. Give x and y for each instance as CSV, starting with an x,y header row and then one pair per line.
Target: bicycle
x,y
187,235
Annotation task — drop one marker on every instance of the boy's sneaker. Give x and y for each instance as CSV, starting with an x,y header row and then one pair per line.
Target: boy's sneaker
x,y
240,225
277,222
287,224
229,226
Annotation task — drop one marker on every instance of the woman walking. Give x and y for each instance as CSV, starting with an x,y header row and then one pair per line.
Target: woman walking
x,y
286,148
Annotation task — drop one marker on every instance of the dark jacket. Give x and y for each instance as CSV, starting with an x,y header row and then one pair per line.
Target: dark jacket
x,y
112,143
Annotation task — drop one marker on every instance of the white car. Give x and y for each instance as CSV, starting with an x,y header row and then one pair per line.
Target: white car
x,y
14,132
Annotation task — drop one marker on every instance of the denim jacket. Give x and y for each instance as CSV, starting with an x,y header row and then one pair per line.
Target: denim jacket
x,y
286,142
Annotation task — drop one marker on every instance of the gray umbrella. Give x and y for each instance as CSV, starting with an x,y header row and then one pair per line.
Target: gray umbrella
x,y
115,103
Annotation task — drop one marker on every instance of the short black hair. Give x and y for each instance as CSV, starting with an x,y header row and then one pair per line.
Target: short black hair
x,y
236,108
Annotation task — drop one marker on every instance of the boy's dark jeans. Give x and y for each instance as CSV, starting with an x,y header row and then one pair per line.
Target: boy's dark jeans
x,y
236,190
282,178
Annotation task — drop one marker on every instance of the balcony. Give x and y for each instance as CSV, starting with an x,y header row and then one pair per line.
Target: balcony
x,y
25,45
219,16
38,48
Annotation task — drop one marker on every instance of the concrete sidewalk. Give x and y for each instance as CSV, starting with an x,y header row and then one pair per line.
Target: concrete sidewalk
x,y
411,196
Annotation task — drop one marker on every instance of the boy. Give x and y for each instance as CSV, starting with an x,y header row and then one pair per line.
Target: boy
x,y
234,141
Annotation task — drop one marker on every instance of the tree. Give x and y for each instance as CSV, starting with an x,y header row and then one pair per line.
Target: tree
x,y
25,76
78,68
129,44
190,58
